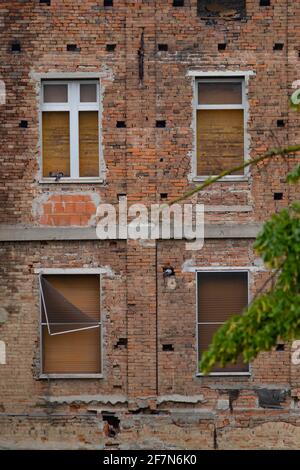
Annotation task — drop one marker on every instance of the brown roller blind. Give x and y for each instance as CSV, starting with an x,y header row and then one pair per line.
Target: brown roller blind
x,y
71,313
83,291
56,142
62,315
205,336
220,140
88,143
72,353
220,295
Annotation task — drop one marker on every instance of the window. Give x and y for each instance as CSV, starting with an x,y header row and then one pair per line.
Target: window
x,y
227,9
70,129
220,295
220,117
70,324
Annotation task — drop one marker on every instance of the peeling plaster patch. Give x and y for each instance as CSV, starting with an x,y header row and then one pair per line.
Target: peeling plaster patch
x,y
223,404
3,315
105,399
259,263
194,399
109,272
147,243
296,84
58,208
188,265
38,202
2,92
2,353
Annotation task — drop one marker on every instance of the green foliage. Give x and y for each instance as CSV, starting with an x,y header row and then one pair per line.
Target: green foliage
x,y
274,314
294,176
295,101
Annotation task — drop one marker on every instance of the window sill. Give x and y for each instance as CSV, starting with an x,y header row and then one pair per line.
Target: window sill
x,y
70,376
71,180
224,374
226,179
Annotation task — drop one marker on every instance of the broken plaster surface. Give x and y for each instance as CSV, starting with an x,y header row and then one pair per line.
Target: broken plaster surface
x,y
105,399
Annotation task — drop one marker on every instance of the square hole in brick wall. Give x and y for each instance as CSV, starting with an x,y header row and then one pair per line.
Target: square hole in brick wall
x,y
178,3
228,9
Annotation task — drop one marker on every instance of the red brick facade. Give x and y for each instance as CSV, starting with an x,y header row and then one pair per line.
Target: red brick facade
x,y
156,394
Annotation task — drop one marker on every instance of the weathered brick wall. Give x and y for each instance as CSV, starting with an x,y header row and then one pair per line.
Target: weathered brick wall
x,y
143,162
20,388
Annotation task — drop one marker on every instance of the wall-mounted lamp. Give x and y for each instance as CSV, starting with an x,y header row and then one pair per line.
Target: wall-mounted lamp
x,y
168,271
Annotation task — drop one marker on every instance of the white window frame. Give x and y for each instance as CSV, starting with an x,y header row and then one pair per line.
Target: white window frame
x,y
218,270
71,271
73,106
219,78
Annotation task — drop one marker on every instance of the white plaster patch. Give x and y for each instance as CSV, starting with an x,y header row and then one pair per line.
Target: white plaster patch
x,y
223,404
2,353
296,84
187,265
3,315
2,93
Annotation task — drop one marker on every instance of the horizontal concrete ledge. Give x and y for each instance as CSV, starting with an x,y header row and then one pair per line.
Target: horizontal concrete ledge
x,y
16,233
87,399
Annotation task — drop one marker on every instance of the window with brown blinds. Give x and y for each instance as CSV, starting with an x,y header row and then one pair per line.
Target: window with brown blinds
x,y
71,324
220,295
220,129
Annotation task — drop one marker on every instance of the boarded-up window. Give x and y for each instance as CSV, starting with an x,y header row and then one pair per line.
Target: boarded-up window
x,y
70,317
220,126
70,129
220,295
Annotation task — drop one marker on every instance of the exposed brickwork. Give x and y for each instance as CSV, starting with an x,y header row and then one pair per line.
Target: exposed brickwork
x,y
141,161
68,210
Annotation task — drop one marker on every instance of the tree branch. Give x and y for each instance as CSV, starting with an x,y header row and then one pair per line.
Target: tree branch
x,y
271,153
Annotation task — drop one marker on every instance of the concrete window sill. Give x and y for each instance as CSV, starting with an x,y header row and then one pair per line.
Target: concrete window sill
x,y
225,374
70,376
226,179
72,180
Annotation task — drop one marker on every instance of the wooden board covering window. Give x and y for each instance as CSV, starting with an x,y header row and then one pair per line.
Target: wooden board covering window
x,y
220,140
220,295
76,352
56,143
88,143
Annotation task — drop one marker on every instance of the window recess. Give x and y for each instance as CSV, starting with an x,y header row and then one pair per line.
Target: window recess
x,y
226,9
70,324
220,295
70,129
220,125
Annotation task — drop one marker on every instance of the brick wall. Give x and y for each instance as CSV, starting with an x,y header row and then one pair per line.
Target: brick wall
x,y
141,161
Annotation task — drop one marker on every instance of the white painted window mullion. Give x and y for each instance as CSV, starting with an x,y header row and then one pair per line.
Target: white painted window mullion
x,y
74,129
